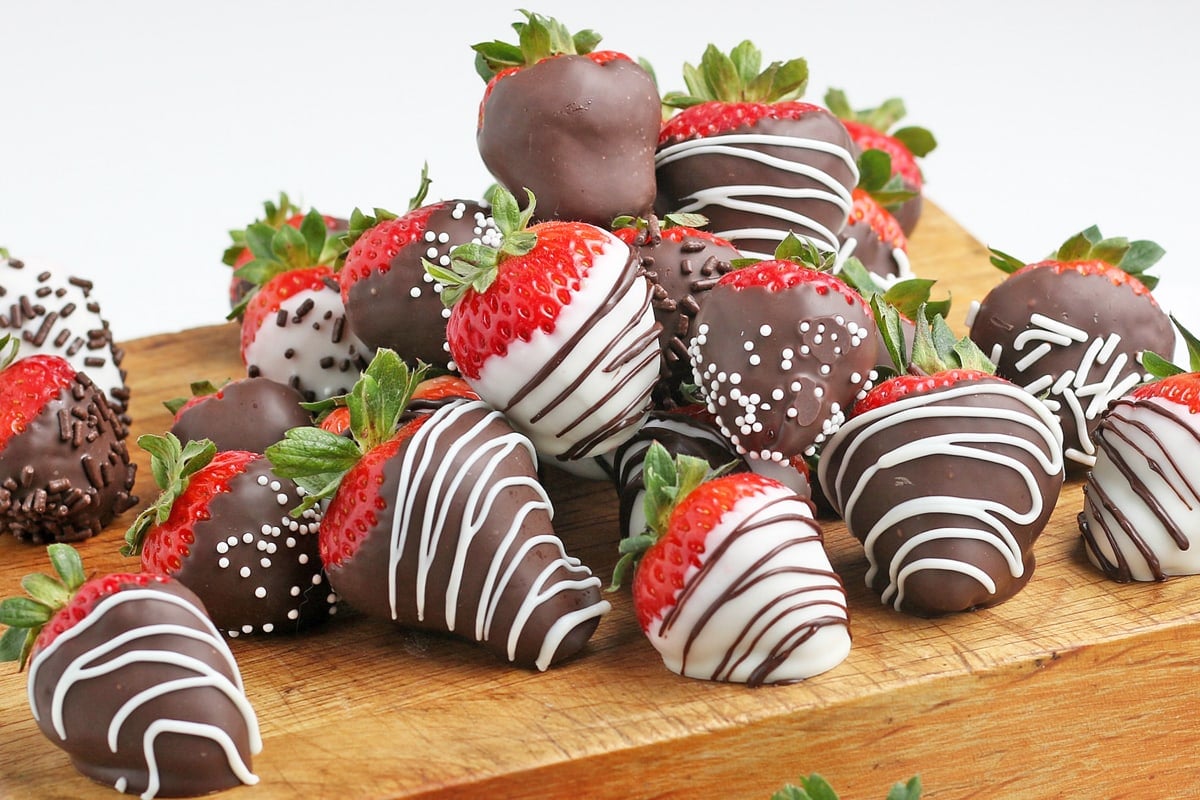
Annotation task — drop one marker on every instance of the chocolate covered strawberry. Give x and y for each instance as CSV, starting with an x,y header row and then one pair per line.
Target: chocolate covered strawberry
x,y
1072,328
294,327
242,414
222,527
872,234
65,471
782,350
732,582
436,520
682,263
874,129
60,315
575,125
555,329
947,475
129,677
390,300
1141,511
746,153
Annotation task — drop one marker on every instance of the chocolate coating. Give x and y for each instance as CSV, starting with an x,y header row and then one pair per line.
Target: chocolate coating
x,y
257,569
937,487
1042,325
464,544
142,675
245,414
68,474
580,135
804,189
402,308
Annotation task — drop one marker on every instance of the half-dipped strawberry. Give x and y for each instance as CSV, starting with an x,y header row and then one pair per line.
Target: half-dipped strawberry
x,y
746,153
874,129
946,474
65,471
1072,328
782,350
436,520
129,677
556,330
682,263
574,125
732,582
222,527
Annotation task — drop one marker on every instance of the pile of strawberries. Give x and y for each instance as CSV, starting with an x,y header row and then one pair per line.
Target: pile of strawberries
x,y
711,307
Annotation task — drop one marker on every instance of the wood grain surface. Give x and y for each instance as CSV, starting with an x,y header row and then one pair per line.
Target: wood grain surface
x,y
1077,687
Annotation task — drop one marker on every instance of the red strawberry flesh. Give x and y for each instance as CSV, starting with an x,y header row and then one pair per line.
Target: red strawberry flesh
x,y
26,386
1183,389
86,598
902,386
715,117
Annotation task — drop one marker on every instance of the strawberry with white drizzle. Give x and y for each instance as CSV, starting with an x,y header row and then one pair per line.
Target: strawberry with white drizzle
x,y
555,329
437,521
731,581
782,349
947,475
129,677
1072,328
294,328
1141,509
222,527
746,153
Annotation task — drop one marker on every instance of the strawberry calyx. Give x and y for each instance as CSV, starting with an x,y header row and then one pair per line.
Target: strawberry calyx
x,y
200,391
920,142
879,181
538,38
277,251
317,459
173,465
739,77
1159,366
275,214
475,266
668,480
1133,258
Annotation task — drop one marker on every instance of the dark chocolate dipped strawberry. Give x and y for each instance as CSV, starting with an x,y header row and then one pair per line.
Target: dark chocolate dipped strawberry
x,y
874,129
575,125
1072,328
947,474
59,315
65,471
682,263
129,677
239,253
746,153
872,234
782,350
731,581
294,328
242,414
222,527
391,301
1141,502
438,522
555,329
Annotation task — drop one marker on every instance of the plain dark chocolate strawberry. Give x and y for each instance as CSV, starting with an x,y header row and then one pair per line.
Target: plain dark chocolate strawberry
x,y
947,475
65,471
782,350
1071,329
222,527
440,522
681,263
746,153
243,414
128,676
574,125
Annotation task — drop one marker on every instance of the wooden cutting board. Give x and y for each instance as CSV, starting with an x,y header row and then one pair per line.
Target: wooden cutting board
x,y
1076,687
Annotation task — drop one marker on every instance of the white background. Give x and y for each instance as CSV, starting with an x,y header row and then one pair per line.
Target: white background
x,y
135,134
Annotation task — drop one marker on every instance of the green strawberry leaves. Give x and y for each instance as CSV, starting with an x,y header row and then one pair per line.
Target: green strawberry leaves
x,y
274,215
906,296
475,266
204,388
799,251
283,249
317,459
875,177
738,77
919,141
935,348
173,464
815,787
1159,367
1134,257
10,346
538,37
25,616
